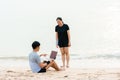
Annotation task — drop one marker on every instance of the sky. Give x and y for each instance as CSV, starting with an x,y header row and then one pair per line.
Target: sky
x,y
94,25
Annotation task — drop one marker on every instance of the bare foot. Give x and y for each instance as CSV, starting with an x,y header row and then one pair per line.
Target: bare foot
x,y
62,67
67,66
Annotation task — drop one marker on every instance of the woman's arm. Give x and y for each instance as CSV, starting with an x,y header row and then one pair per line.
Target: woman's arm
x,y
57,39
69,38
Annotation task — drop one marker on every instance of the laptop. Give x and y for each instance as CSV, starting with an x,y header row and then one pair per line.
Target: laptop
x,y
53,55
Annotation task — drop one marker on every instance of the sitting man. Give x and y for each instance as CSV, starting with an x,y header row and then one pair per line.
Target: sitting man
x,y
35,61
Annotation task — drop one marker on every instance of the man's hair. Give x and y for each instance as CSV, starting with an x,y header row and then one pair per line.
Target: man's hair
x,y
35,44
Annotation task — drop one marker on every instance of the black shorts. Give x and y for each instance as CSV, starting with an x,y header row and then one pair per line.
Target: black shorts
x,y
44,69
61,44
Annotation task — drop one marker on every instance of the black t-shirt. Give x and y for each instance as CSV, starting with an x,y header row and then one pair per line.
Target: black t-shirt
x,y
62,33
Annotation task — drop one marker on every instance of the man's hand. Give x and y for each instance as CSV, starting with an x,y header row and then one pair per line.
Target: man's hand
x,y
42,65
45,64
43,54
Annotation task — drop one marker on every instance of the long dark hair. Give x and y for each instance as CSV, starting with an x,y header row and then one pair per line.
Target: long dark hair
x,y
59,18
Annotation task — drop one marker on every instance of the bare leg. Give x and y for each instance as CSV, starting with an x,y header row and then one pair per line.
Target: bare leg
x,y
66,49
63,56
55,66
49,65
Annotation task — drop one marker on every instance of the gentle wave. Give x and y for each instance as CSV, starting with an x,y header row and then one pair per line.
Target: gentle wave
x,y
72,56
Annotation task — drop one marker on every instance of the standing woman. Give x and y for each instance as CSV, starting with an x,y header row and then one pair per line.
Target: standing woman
x,y
63,40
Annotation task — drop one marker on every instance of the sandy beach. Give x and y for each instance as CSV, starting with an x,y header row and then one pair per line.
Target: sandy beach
x,y
101,69
19,73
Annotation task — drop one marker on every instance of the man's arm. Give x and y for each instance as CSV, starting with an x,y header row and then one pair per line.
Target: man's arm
x,y
43,54
39,62
42,65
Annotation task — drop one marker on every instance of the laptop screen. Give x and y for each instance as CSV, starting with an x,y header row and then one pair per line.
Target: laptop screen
x,y
53,54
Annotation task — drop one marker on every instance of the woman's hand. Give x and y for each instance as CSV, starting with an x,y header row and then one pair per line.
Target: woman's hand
x,y
69,44
57,43
57,46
